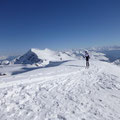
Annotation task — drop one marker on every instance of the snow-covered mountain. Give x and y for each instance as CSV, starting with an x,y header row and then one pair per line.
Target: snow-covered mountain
x,y
42,57
45,58
65,90
111,52
6,60
38,56
79,54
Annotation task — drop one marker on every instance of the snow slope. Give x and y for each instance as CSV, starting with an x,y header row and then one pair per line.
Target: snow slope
x,y
65,92
117,62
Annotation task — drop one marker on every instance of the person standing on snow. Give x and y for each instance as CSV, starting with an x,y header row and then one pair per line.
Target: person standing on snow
x,y
87,57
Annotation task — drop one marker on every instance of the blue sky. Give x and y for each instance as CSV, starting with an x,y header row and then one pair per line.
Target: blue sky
x,y
58,24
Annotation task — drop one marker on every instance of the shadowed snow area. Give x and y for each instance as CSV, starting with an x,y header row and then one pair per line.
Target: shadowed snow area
x,y
27,69
65,92
117,62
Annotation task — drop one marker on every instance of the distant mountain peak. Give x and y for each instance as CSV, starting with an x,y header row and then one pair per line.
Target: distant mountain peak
x,y
35,55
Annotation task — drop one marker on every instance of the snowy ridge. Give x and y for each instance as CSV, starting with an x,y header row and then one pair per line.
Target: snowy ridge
x,y
42,56
65,92
5,60
47,55
94,55
117,62
110,53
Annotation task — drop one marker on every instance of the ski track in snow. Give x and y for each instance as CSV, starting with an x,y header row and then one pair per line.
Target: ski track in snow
x,y
80,94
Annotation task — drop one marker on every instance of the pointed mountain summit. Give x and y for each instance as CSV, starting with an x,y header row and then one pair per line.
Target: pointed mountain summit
x,y
40,56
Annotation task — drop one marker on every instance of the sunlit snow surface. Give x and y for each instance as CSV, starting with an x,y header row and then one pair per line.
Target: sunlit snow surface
x,y
68,91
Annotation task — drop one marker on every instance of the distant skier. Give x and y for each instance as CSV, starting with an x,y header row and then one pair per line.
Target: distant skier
x,y
87,57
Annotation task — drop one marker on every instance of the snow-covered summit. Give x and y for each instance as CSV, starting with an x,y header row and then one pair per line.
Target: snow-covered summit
x,y
28,58
46,54
40,56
